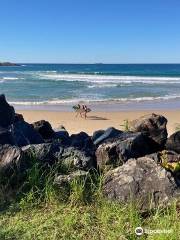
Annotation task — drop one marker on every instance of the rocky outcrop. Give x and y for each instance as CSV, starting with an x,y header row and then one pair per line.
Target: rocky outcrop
x,y
25,134
43,153
82,141
7,113
118,150
76,159
108,134
173,142
18,117
12,161
6,137
97,134
146,164
8,64
62,136
44,129
50,153
154,126
140,180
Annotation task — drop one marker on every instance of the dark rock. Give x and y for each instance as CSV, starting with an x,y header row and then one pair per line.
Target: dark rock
x,y
140,180
62,180
153,125
118,150
18,117
173,142
12,161
63,138
61,133
25,134
82,141
44,129
109,133
20,139
77,159
49,153
6,137
60,128
97,134
7,113
49,135
43,153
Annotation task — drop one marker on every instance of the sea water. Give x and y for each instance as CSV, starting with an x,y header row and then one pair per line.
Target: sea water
x,y
60,84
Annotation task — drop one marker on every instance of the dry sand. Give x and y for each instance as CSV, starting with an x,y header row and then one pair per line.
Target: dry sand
x,y
96,120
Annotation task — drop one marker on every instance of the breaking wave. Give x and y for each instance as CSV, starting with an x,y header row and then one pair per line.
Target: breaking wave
x,y
108,78
109,100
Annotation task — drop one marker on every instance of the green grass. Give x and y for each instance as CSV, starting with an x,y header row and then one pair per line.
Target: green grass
x,y
42,212
100,220
126,125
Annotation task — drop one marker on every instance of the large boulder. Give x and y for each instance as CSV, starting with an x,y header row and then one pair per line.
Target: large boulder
x,y
173,142
77,159
12,161
6,137
141,180
154,125
7,113
108,133
97,134
81,141
25,134
18,117
50,153
44,153
62,136
118,150
44,128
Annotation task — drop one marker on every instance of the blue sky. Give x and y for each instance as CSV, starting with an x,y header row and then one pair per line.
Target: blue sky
x,y
88,31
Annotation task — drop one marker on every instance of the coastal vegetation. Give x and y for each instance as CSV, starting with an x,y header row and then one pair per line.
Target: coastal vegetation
x,y
45,212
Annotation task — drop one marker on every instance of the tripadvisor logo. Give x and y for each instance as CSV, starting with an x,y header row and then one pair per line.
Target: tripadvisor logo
x,y
139,231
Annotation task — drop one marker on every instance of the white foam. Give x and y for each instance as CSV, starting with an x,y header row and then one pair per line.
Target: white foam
x,y
10,78
109,78
103,85
71,101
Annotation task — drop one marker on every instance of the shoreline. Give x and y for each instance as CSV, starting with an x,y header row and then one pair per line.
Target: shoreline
x,y
106,106
97,120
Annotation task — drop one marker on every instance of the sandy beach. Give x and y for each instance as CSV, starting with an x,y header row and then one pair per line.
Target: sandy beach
x,y
96,120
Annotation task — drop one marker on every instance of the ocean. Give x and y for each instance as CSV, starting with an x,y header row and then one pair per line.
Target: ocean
x,y
59,85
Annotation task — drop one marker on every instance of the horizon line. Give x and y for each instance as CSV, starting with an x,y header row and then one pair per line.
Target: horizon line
x,y
100,63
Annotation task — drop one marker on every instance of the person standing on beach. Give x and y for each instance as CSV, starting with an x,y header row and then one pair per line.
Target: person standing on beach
x,y
85,111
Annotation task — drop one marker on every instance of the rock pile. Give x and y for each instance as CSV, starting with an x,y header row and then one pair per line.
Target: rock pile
x,y
141,164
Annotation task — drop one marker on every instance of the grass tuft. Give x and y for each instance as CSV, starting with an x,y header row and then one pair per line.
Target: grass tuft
x,y
41,212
